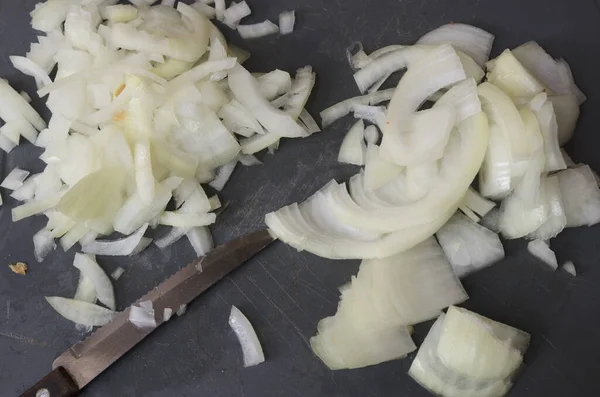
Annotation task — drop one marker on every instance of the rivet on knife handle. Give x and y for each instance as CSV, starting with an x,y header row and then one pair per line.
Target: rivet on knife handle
x,y
57,383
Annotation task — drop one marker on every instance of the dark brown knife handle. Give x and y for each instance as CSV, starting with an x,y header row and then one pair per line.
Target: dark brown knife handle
x,y
57,383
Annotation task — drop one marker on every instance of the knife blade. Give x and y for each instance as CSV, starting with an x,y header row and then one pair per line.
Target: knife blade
x,y
85,360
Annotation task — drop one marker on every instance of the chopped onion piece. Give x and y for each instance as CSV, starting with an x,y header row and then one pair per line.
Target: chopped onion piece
x,y
353,147
251,348
181,311
566,110
235,13
223,174
201,240
466,354
257,30
507,73
246,90
286,22
541,250
35,207
460,164
86,292
257,143
170,238
14,179
43,244
343,108
440,68
556,220
102,285
475,202
473,41
546,119
143,171
220,9
167,313
28,67
309,122
80,312
387,64
119,13
186,220
117,273
130,245
569,267
378,171
371,135
468,246
274,83
142,316
580,196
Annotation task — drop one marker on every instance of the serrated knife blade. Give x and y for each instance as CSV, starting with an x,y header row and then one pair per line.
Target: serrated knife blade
x,y
85,360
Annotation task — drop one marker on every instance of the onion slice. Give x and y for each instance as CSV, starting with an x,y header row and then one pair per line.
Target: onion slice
x,y
468,246
251,348
353,147
142,315
90,269
79,312
14,179
130,245
286,22
246,90
256,30
581,196
473,41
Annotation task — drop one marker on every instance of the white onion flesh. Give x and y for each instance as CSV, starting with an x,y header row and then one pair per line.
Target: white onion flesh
x,y
440,68
142,316
478,204
90,269
381,300
251,348
79,312
235,13
287,20
201,240
223,174
117,273
468,355
343,108
131,245
378,170
569,267
580,195
556,218
473,41
43,244
507,73
257,30
167,313
566,110
246,90
353,149
14,179
468,246
541,250
86,292
371,135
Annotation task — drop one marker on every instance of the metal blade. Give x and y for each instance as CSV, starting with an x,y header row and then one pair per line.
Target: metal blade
x,y
87,359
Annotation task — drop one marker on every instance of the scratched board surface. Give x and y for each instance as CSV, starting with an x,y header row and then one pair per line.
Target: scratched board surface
x,y
283,292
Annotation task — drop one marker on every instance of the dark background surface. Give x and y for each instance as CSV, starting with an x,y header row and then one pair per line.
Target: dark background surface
x,y
283,292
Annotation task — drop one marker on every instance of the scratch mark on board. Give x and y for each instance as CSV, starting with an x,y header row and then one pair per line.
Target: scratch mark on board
x,y
298,331
22,338
550,343
7,313
284,290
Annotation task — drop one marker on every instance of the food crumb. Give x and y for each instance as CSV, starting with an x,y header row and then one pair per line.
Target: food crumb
x,y
19,268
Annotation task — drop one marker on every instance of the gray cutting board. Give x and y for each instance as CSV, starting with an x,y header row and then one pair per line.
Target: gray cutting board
x,y
284,292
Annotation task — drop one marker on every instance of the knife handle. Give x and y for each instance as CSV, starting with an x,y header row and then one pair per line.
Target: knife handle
x,y
57,383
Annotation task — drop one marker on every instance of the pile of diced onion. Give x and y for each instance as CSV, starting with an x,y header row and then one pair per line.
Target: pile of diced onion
x,y
455,117
148,103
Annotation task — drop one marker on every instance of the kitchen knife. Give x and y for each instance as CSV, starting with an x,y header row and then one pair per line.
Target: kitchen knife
x,y
85,360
